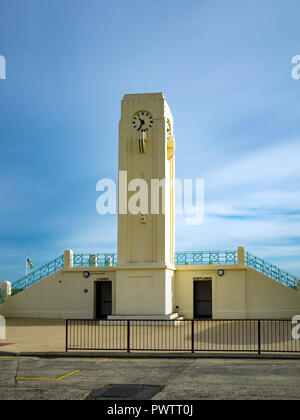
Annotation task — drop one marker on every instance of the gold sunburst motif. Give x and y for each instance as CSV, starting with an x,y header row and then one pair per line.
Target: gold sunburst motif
x,y
170,141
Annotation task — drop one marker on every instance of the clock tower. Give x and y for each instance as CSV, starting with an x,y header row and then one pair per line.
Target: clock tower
x,y
145,271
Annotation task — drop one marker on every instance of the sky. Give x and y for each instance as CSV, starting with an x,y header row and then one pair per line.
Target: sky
x,y
225,70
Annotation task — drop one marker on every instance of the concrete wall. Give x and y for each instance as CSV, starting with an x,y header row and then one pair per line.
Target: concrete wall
x,y
2,309
60,295
153,241
228,292
241,293
144,292
266,298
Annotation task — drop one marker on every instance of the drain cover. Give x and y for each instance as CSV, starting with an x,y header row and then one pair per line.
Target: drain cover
x,y
125,392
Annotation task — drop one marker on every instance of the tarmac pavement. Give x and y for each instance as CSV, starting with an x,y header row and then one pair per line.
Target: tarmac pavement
x,y
173,379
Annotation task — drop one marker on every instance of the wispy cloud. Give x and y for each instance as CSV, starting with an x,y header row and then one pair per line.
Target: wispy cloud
x,y
271,166
253,201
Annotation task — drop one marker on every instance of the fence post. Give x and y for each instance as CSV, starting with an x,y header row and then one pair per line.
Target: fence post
x,y
259,336
66,336
128,336
193,336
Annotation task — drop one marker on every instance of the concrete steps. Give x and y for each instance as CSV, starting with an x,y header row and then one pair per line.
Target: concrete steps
x,y
171,317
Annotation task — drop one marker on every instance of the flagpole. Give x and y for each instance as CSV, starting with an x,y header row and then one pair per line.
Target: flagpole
x,y
26,265
26,271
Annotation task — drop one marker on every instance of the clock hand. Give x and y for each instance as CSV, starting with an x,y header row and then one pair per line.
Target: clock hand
x,y
142,123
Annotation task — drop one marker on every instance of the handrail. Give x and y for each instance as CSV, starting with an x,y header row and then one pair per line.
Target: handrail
x,y
99,260
39,274
205,257
271,270
181,258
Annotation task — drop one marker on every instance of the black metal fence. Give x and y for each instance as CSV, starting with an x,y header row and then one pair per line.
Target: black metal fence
x,y
257,336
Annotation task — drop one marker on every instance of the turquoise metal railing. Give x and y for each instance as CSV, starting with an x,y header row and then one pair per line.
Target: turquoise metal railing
x,y
87,260
181,258
205,257
39,274
271,270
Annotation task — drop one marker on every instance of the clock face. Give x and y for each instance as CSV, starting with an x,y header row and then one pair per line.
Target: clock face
x,y
142,121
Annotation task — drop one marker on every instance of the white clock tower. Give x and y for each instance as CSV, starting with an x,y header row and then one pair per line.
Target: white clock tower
x,y
145,271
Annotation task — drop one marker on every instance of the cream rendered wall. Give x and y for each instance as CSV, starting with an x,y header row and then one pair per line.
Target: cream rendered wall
x,y
144,292
231,295
266,298
150,242
228,292
241,293
170,292
77,304
41,300
145,270
60,295
2,309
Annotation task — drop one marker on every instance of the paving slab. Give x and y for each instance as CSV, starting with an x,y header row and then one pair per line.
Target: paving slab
x,y
34,335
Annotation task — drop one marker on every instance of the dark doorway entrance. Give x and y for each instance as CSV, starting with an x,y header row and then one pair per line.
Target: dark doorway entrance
x,y
203,299
103,299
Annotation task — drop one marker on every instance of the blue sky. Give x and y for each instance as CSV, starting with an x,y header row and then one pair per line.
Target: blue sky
x,y
225,69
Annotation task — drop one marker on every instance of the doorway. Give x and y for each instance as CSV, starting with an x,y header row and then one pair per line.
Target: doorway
x,y
203,299
103,299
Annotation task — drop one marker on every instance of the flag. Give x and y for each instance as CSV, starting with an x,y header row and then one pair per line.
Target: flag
x,y
29,263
